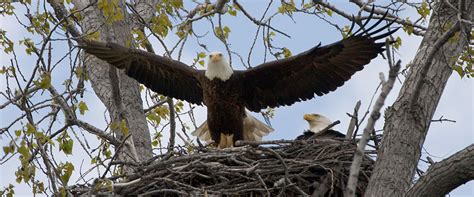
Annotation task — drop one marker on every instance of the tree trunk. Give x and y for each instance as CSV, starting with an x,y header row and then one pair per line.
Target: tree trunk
x,y
408,120
118,92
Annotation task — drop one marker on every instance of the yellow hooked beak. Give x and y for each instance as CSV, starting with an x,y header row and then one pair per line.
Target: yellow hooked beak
x,y
308,117
216,58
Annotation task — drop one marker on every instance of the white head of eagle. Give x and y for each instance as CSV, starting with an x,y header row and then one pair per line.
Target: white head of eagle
x,y
217,67
317,122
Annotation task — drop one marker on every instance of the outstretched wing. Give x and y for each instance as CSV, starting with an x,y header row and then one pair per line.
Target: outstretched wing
x,y
162,75
319,70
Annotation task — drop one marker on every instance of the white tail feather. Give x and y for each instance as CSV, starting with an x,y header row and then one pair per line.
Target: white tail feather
x,y
254,130
202,132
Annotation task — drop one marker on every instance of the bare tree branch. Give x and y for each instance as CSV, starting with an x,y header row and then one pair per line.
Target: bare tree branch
x,y
352,124
446,175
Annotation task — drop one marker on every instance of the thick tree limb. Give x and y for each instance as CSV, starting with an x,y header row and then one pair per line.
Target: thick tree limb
x,y
408,120
446,175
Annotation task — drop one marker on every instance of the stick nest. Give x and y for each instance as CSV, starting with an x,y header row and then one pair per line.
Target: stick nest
x,y
285,167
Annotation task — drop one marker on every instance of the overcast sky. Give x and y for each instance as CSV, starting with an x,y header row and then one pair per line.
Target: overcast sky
x,y
443,139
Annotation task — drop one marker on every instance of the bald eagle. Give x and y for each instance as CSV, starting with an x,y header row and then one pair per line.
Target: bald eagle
x,y
317,123
227,92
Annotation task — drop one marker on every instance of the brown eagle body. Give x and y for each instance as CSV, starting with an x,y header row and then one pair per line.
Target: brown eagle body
x,y
227,93
226,117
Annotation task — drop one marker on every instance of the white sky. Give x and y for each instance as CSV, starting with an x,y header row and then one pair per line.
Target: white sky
x,y
443,139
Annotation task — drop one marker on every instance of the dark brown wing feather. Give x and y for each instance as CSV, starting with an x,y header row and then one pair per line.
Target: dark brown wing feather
x,y
319,70
160,74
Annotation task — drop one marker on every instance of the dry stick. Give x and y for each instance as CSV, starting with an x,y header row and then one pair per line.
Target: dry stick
x,y
256,143
325,129
172,125
350,129
374,116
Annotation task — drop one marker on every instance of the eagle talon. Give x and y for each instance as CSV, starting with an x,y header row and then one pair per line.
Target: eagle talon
x,y
212,145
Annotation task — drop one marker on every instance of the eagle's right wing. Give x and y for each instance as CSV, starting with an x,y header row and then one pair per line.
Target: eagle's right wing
x,y
160,74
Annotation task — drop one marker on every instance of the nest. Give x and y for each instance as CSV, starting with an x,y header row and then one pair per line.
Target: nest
x,y
318,167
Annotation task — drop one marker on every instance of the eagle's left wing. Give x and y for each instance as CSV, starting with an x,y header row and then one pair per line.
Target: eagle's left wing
x,y
316,71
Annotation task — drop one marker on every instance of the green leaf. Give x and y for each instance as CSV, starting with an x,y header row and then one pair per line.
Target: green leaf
x,y
329,12
7,150
108,154
93,36
18,133
66,171
286,52
123,127
65,143
44,82
398,42
30,45
67,148
308,5
408,28
154,143
177,3
30,129
201,54
38,187
152,116
459,70
423,10
82,107
8,191
94,160
111,10
201,62
287,7
62,192
232,12
23,150
226,31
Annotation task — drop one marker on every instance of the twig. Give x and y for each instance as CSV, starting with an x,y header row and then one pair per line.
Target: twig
x,y
117,151
154,106
325,129
441,119
257,22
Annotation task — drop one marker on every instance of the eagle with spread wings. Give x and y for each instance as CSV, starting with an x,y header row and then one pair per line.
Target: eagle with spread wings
x,y
227,93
